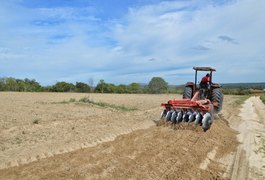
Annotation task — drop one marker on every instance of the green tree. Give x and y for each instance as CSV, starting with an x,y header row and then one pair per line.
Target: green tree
x,y
30,85
101,86
22,86
82,87
111,88
2,84
134,88
121,89
11,84
63,87
157,85
48,89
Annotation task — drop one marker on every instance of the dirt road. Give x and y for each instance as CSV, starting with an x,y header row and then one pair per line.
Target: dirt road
x,y
249,162
126,145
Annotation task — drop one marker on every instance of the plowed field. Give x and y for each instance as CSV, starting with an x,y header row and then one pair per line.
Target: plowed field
x,y
110,136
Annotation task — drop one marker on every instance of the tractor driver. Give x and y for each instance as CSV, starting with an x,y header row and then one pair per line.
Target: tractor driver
x,y
205,84
206,79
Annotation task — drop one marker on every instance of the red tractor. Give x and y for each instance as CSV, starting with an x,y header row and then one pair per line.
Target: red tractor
x,y
198,104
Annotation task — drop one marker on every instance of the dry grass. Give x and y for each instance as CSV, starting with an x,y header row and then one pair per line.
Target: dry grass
x,y
106,105
263,98
240,99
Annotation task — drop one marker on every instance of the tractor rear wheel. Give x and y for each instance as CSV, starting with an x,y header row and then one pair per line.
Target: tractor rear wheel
x,y
187,94
217,97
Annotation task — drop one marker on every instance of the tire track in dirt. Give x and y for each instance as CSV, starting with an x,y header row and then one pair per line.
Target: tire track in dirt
x,y
169,170
210,156
248,163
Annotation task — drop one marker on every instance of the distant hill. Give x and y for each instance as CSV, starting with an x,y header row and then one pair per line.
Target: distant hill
x,y
260,85
245,85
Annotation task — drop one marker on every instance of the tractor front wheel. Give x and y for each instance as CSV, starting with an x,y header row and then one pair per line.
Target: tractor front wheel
x,y
187,94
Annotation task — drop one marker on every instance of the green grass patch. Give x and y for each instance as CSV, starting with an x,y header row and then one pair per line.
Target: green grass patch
x,y
261,148
36,121
241,99
106,105
61,102
71,100
18,140
263,98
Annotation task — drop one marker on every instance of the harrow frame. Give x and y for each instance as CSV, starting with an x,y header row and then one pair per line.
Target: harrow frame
x,y
195,104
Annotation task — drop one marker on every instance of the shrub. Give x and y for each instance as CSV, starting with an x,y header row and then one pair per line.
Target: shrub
x,y
157,85
72,100
35,121
262,98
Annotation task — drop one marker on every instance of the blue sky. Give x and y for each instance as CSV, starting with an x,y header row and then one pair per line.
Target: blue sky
x,y
125,41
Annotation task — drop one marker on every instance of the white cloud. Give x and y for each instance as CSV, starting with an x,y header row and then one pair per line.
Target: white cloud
x,y
172,36
66,43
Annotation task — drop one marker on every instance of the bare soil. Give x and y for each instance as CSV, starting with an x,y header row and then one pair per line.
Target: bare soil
x,y
45,136
249,162
39,125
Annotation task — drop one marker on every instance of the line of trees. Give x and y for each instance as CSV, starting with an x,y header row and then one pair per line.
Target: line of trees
x,y
242,90
155,86
12,84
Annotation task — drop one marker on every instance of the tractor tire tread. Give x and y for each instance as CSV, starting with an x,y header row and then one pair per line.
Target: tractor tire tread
x,y
187,94
217,96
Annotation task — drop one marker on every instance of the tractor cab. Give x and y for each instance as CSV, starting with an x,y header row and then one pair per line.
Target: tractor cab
x,y
213,92
207,69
